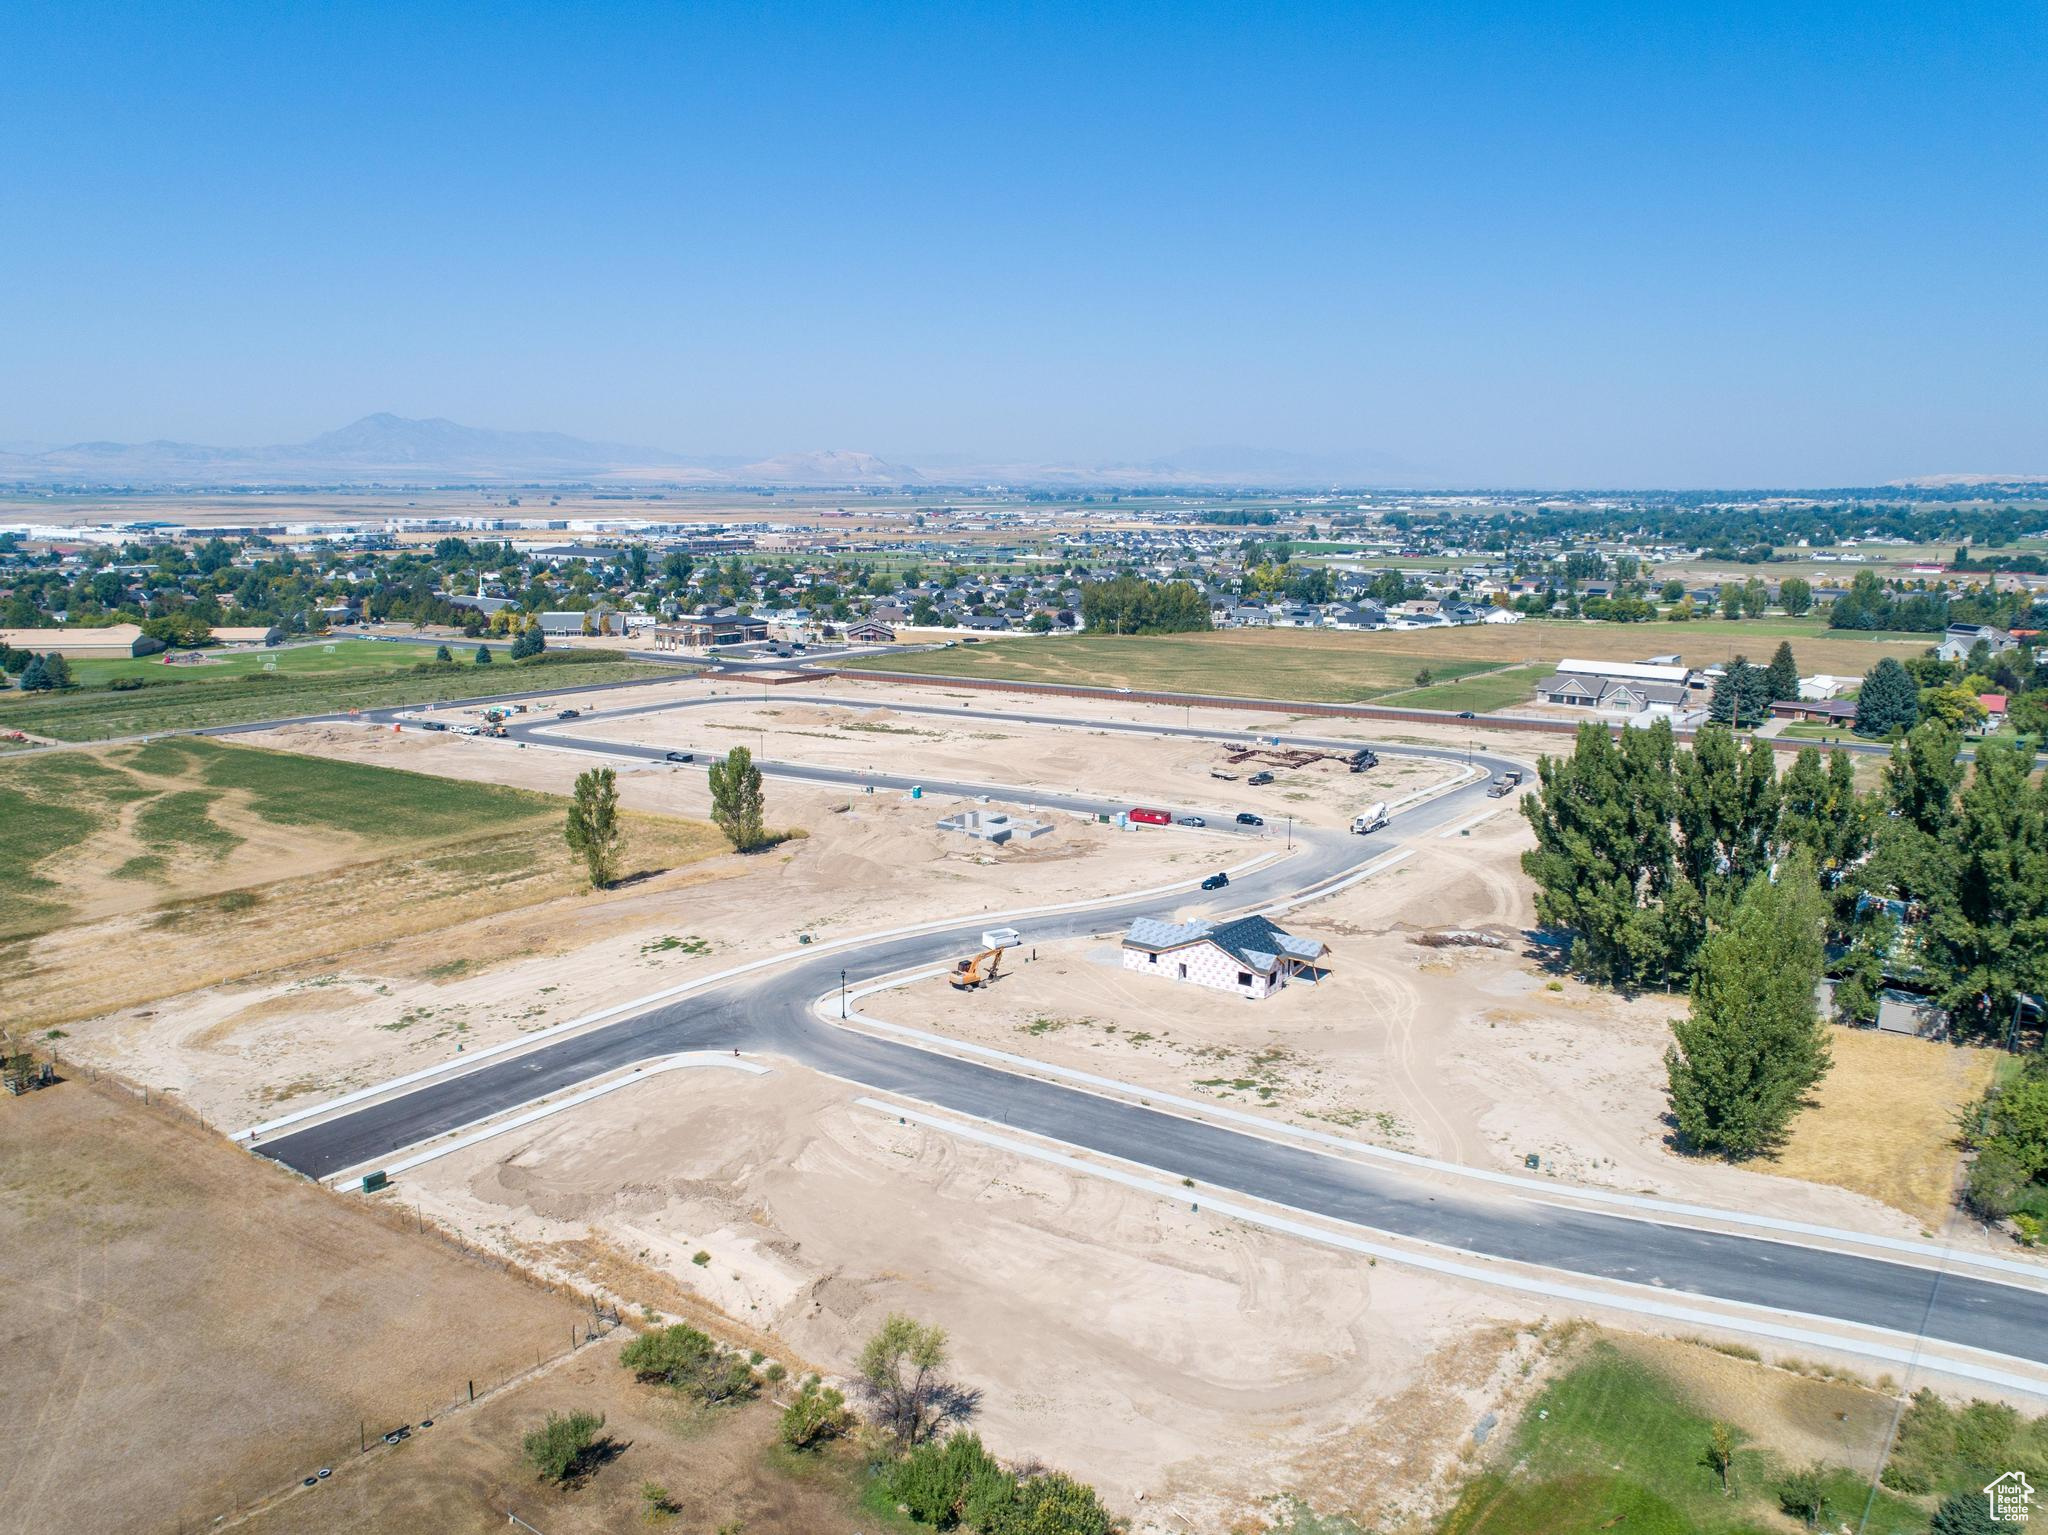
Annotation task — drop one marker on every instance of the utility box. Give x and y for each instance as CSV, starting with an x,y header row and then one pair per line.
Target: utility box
x,y
374,1181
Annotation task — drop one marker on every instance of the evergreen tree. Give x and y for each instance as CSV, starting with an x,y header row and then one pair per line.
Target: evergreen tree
x,y
737,804
1741,695
1754,1044
1783,673
1887,701
443,655
57,669
483,655
35,677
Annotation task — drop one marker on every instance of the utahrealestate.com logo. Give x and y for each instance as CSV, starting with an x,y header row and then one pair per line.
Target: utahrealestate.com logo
x,y
2011,1498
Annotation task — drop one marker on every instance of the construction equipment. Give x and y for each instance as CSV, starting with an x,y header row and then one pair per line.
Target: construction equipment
x,y
977,971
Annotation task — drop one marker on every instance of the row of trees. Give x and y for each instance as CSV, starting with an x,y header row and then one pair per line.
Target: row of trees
x,y
1710,871
35,673
1129,605
596,832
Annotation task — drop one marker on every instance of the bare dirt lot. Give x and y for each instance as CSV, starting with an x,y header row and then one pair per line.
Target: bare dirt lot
x,y
188,1327
1177,774
354,977
1476,1055
1145,1347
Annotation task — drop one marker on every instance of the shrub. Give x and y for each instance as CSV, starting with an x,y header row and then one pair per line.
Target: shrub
x,y
937,1481
560,1446
1804,1495
688,1360
818,1414
1997,1183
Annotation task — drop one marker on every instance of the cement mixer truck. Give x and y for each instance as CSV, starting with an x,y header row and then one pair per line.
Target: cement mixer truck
x,y
1374,818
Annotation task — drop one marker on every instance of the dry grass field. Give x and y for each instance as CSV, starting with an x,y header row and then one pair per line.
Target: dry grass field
x,y
201,862
189,1327
722,1470
1319,666
1883,1121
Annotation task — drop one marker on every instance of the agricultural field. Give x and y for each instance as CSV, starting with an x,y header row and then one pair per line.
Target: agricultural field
x,y
1482,692
203,860
1619,1439
191,1328
1322,666
237,690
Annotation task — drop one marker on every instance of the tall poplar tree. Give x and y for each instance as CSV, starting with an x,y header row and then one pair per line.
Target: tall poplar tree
x,y
1754,1044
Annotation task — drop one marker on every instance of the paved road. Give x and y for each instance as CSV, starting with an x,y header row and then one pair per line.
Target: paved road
x,y
772,1013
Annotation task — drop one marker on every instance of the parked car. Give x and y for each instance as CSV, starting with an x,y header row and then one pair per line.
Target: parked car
x,y
680,757
1192,820
434,725
1216,881
1467,714
1259,779
1246,818
570,714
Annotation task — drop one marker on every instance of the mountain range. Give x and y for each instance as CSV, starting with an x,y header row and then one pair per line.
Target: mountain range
x,y
390,449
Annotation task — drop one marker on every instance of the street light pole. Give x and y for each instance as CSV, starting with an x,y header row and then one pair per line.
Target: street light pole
x,y
842,994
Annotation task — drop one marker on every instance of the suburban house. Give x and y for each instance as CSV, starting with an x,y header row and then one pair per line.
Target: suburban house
x,y
1630,686
1248,955
1817,711
1961,639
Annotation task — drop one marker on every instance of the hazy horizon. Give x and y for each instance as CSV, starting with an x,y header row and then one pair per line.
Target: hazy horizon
x,y
1512,245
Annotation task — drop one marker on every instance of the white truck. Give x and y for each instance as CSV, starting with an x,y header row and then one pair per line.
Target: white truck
x,y
1374,818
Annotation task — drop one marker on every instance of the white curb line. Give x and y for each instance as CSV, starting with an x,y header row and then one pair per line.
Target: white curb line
x,y
696,1059
1911,1358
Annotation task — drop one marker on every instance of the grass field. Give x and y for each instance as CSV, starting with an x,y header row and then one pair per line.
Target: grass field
x,y
1619,1443
1883,1121
191,1326
1327,666
307,681
204,861
1481,692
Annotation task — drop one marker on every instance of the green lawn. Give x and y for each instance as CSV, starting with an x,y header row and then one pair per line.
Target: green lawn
x,y
291,660
374,676
1315,666
1613,1445
1481,693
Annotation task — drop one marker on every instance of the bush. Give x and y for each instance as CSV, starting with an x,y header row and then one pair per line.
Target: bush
x,y
560,1446
1967,1513
940,1483
1997,1183
1804,1495
125,685
818,1414
1053,1504
688,1360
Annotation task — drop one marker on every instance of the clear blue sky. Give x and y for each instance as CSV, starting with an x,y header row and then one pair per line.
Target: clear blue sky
x,y
1545,243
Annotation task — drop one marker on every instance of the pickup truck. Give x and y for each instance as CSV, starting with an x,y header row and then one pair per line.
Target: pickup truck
x,y
1257,780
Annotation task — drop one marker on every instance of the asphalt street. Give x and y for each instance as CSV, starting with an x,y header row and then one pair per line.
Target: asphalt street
x,y
771,1013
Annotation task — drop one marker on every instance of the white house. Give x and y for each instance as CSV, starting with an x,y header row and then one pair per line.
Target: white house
x,y
1248,956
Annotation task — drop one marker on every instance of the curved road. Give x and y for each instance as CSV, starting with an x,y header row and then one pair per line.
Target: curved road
x,y
772,1012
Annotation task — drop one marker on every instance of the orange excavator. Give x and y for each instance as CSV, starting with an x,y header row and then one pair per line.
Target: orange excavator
x,y
977,971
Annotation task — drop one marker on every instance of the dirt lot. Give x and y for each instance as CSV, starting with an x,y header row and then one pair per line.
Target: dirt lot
x,y
188,1327
1177,774
345,980
1144,1347
1471,1054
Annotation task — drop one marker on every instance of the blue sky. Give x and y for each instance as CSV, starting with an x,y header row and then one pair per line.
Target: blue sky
x,y
1561,244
